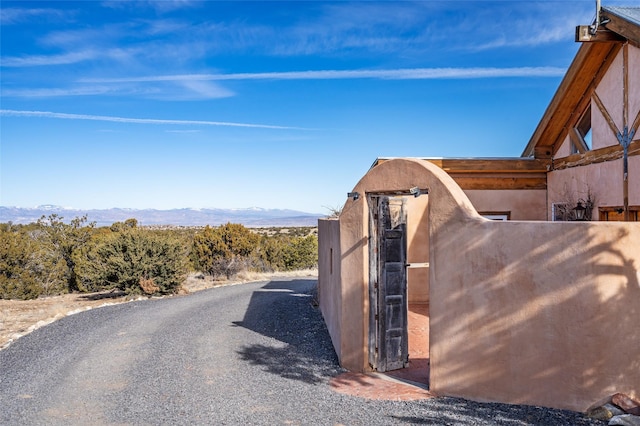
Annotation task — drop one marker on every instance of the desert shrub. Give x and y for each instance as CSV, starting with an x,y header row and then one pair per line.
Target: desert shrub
x,y
301,253
29,267
123,226
59,240
271,252
224,251
133,260
288,253
240,241
17,279
50,269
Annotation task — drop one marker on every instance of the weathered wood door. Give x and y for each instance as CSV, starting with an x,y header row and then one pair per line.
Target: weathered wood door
x,y
388,335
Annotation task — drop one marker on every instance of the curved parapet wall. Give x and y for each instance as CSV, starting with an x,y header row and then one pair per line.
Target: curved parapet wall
x,y
350,312
404,173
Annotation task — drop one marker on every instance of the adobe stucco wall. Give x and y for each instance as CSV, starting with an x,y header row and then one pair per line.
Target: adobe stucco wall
x,y
520,312
603,180
418,249
530,204
329,288
535,313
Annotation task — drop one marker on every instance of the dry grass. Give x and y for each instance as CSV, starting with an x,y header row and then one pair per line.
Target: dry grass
x,y
20,317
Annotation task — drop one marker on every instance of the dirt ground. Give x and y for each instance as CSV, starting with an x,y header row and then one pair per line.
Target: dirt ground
x,y
20,317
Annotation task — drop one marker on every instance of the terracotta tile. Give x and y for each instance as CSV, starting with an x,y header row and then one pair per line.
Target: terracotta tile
x,y
373,386
389,386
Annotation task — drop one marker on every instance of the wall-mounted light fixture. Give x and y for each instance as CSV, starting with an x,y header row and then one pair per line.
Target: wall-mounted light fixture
x,y
580,211
415,191
353,195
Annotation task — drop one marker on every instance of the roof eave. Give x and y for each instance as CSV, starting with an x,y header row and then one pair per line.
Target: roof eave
x,y
565,84
616,21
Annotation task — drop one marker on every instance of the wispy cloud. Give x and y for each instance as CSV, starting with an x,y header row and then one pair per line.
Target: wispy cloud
x,y
198,89
170,89
183,131
546,23
39,60
413,28
185,87
392,74
161,6
14,15
65,116
418,29
58,92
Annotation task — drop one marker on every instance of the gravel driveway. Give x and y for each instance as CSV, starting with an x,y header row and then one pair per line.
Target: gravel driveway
x,y
247,354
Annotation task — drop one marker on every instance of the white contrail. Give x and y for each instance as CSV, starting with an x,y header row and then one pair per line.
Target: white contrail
x,y
397,74
61,115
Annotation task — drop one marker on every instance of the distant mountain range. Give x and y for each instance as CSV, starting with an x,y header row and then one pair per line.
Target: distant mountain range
x,y
252,217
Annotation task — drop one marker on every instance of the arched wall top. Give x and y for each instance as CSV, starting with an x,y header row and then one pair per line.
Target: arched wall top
x,y
448,207
447,200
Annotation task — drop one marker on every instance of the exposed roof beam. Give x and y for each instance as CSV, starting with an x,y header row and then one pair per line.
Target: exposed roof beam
x,y
584,35
573,94
485,165
609,153
620,25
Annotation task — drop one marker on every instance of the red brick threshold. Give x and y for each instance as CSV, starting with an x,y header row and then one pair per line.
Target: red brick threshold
x,y
379,386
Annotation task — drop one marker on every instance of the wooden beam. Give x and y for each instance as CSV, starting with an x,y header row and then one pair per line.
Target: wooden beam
x,y
543,152
605,114
540,135
573,95
482,165
636,123
601,155
621,26
583,35
486,183
585,100
490,165
625,119
625,85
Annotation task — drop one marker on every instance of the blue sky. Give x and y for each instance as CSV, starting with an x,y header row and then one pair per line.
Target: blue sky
x,y
174,104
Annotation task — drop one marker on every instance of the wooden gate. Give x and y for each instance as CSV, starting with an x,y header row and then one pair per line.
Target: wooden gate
x,y
388,334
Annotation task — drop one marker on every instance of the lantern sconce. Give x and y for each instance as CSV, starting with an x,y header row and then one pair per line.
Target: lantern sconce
x,y
353,195
579,211
582,211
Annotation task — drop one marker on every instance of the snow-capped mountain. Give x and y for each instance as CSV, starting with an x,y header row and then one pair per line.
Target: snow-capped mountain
x,y
251,217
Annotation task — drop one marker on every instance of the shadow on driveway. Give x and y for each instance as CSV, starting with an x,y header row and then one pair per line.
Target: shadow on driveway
x,y
285,310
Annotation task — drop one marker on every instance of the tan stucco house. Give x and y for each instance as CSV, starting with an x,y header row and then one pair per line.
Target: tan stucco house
x,y
537,307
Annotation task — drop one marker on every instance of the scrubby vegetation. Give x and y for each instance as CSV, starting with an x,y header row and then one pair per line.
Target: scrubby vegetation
x,y
231,248
132,260
54,257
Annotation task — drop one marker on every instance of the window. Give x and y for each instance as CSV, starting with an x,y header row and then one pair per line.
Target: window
x,y
584,129
561,212
496,215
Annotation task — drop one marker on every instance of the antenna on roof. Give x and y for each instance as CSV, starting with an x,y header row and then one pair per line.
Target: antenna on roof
x,y
594,28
